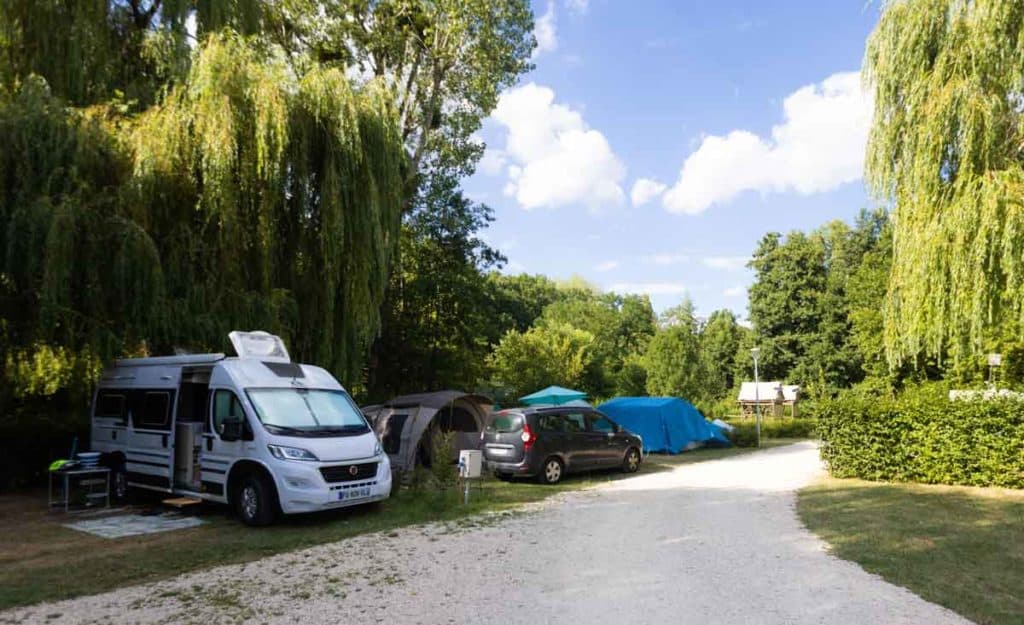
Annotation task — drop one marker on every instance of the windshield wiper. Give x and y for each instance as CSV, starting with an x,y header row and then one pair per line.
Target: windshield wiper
x,y
284,429
340,429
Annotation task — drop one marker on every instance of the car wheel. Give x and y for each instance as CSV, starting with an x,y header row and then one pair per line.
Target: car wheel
x,y
552,471
631,463
254,501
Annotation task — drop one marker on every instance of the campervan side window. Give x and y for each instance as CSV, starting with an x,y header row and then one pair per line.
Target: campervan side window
x,y
110,405
227,404
156,407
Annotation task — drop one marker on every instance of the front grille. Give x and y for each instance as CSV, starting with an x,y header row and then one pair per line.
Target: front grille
x,y
344,473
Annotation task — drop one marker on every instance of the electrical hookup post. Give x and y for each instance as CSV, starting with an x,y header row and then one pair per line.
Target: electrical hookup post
x,y
470,461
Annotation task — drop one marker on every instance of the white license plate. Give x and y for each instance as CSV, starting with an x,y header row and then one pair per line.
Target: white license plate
x,y
354,493
499,451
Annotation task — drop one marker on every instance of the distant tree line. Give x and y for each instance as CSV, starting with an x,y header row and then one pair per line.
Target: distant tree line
x,y
816,312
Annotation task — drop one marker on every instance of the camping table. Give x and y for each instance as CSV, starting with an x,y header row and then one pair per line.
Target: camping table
x,y
90,495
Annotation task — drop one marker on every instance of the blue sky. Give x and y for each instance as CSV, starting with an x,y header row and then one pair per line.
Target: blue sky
x,y
741,118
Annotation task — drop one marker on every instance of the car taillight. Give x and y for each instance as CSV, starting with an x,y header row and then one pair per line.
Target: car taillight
x,y
529,438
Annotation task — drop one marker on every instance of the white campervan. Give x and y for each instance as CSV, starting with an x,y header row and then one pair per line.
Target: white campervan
x,y
258,431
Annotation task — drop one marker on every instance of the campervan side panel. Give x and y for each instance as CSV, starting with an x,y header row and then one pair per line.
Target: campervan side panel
x,y
132,421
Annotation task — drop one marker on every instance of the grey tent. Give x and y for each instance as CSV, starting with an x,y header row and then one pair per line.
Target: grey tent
x,y
404,424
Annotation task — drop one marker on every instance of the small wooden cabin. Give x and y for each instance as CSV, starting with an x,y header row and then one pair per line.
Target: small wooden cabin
x,y
772,397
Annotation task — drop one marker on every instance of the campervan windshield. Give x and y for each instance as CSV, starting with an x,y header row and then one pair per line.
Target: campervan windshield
x,y
306,412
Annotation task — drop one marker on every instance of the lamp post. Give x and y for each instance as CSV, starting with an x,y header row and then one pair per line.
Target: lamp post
x,y
755,352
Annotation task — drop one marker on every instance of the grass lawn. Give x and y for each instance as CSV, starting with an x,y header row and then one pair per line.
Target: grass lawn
x,y
960,547
40,560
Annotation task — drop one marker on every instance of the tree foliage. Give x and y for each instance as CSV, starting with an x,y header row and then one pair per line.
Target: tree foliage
x,y
720,337
785,301
445,61
249,196
673,359
437,327
545,354
945,149
816,303
621,325
273,199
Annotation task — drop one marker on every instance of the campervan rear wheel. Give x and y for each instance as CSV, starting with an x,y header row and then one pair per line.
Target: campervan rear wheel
x,y
254,501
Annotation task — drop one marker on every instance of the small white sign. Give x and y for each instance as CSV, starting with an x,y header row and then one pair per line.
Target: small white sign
x,y
470,462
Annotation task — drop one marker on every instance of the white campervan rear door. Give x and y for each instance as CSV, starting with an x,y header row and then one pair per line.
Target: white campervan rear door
x,y
110,420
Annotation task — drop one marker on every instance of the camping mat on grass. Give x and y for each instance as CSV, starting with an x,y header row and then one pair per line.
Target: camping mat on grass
x,y
134,525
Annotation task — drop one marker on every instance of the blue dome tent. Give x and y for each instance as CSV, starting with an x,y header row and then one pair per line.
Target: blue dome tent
x,y
667,424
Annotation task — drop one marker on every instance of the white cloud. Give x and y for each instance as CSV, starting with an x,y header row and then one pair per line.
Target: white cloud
x,y
554,157
735,291
493,162
544,32
730,263
645,190
818,146
648,288
608,265
578,7
665,260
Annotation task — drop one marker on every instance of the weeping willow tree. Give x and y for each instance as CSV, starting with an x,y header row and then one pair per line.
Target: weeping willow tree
x,y
947,149
90,50
273,200
249,197
61,238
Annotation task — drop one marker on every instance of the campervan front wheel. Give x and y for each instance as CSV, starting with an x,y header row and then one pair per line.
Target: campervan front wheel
x,y
254,501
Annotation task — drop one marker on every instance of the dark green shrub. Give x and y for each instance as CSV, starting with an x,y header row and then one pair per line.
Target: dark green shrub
x,y
442,469
744,432
922,436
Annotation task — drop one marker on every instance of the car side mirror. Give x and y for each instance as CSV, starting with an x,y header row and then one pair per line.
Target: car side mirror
x,y
231,428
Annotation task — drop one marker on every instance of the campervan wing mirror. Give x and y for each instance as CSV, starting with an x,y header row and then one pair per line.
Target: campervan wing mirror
x,y
260,345
231,428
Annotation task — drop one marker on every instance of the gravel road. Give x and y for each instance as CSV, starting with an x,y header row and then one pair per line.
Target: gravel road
x,y
713,542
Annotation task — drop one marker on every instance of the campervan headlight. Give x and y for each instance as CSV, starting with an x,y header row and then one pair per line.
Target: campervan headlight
x,y
377,449
291,453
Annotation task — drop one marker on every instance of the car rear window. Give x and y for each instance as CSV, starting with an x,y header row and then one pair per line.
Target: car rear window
x,y
505,422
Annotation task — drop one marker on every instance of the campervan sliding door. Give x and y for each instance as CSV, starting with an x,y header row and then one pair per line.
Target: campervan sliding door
x,y
150,453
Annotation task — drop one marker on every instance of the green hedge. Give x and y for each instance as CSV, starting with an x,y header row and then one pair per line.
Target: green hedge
x,y
922,436
744,433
